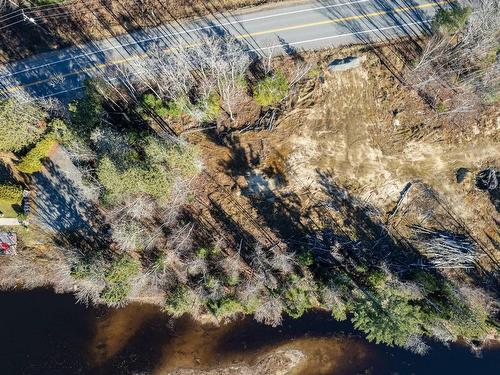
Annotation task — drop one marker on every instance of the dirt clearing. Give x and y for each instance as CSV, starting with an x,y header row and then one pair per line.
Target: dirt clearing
x,y
373,136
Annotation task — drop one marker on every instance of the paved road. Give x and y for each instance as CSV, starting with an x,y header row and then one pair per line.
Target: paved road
x,y
281,28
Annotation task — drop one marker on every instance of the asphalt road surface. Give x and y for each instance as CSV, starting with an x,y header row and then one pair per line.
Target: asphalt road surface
x,y
281,28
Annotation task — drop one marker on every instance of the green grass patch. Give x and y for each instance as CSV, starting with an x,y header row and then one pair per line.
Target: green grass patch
x,y
10,196
8,210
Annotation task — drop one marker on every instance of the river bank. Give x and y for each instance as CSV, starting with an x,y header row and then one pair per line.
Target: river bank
x,y
47,333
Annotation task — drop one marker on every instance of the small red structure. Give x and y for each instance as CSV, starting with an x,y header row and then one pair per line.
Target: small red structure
x,y
8,243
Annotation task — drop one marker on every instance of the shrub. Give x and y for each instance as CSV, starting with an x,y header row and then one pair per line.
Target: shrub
x,y
21,124
61,131
451,20
297,302
172,108
213,107
86,113
118,280
121,184
206,252
211,282
233,279
112,143
390,320
86,265
202,252
271,90
440,107
176,108
471,324
32,161
225,307
181,160
305,258
11,193
179,301
467,315
377,279
339,312
151,101
210,107
150,170
298,296
491,98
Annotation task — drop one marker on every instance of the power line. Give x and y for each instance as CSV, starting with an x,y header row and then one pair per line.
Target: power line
x,y
34,9
45,17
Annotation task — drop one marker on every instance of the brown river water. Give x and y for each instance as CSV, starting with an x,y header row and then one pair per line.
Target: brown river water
x,y
45,333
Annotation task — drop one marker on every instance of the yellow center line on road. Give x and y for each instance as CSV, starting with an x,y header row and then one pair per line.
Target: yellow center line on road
x,y
239,37
343,19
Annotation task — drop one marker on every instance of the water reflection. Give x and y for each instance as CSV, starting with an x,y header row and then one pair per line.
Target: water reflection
x,y
44,333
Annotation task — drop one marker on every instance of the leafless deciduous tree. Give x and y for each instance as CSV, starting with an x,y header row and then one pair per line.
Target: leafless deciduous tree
x,y
129,235
331,297
197,266
270,50
88,290
110,142
223,62
249,289
262,268
459,71
283,262
300,69
232,267
270,310
441,333
213,64
416,345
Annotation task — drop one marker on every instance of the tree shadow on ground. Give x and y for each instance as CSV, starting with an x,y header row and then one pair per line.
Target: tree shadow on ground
x,y
281,214
60,209
363,236
366,241
357,231
6,175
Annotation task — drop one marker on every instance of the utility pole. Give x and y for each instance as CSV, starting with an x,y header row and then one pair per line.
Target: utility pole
x,y
26,18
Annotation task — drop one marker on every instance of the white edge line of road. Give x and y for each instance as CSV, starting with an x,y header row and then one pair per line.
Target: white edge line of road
x,y
280,45
229,23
